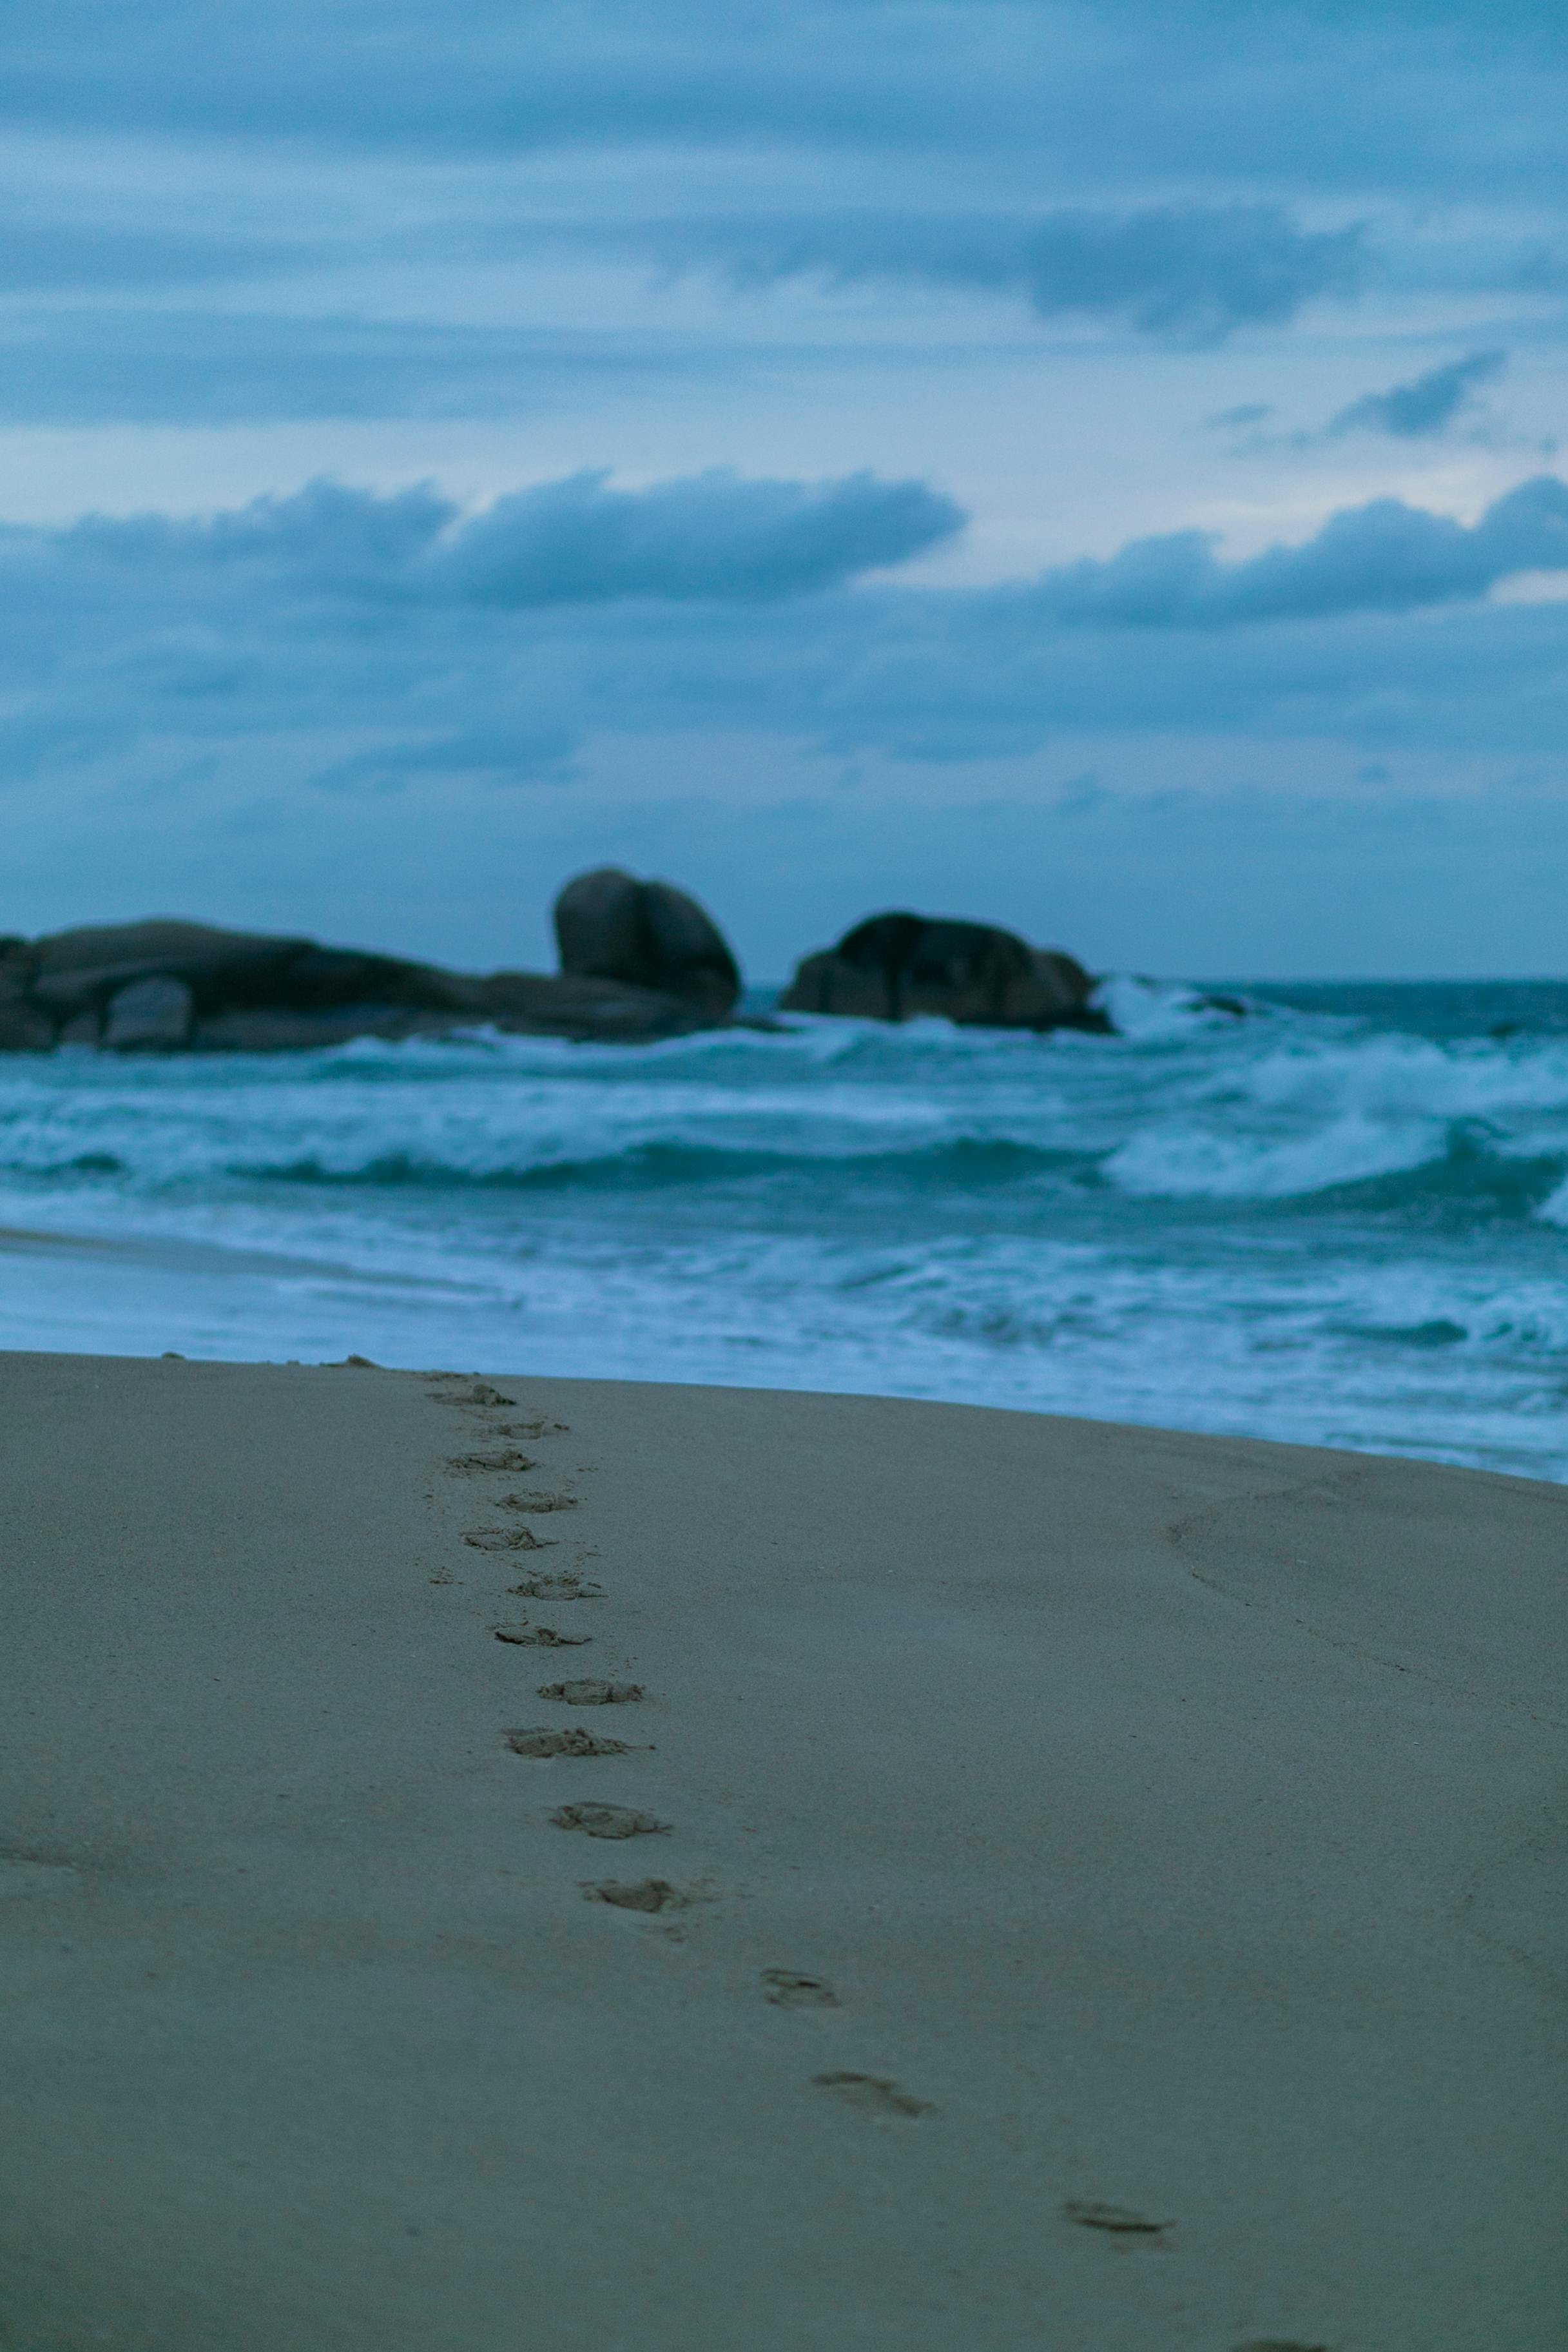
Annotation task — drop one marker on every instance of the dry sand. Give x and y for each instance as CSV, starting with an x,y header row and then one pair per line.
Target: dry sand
x,y
1067,1826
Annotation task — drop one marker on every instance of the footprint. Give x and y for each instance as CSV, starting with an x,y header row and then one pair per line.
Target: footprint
x,y
568,1585
873,2094
480,1392
472,1466
587,1691
570,1742
1279,2344
644,1894
787,1991
535,1501
532,1429
23,1873
609,1821
540,1637
1115,2218
506,1539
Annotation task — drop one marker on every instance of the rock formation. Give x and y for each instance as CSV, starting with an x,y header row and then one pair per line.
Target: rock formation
x,y
161,986
895,966
609,926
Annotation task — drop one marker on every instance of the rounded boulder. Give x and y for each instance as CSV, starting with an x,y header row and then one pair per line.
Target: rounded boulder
x,y
610,926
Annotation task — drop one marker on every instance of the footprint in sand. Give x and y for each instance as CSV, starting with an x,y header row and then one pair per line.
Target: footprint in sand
x,y
476,1393
474,1465
1116,2218
507,1539
787,1991
1279,2344
609,1821
872,2095
568,1585
540,1637
538,1501
586,1690
645,1894
22,1873
570,1742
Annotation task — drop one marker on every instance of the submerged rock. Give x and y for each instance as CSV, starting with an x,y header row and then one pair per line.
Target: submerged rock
x,y
896,966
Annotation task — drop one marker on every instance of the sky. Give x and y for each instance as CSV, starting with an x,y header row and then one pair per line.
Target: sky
x,y
1091,468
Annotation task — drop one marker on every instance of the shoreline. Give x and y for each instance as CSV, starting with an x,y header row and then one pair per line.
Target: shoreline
x,y
1107,1874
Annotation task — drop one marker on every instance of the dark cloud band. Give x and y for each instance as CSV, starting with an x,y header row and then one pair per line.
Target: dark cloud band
x,y
1417,410
391,637
1191,271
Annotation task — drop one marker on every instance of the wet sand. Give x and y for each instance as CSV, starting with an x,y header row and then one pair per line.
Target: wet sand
x,y
1059,1886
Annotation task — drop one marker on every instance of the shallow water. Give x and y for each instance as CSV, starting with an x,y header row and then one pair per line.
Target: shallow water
x,y
1341,1220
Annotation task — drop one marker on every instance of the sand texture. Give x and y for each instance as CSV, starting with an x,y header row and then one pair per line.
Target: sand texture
x,y
817,1873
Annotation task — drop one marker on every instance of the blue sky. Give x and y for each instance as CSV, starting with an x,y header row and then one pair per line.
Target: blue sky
x,y
1095,468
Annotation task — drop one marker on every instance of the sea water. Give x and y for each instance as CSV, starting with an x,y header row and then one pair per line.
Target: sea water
x,y
1341,1219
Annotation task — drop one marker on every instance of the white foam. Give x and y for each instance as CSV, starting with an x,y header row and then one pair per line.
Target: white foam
x,y
1554,1210
1163,1243
1185,1161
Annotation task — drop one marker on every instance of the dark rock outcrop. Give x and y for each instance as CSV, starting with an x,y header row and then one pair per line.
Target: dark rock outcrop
x,y
895,966
23,1028
164,985
609,926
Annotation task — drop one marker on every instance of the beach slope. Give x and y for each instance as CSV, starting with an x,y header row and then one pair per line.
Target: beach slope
x,y
514,1864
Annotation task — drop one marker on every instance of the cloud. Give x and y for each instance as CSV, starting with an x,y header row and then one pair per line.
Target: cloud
x,y
64,366
1191,271
1250,412
1185,176
578,542
38,256
568,542
1190,276
325,539
358,641
715,538
1428,405
1108,95
1386,557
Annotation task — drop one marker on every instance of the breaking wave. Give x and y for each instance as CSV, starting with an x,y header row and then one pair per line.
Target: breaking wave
x,y
1327,1215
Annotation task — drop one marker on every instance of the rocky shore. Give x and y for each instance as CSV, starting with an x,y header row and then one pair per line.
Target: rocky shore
x,y
638,960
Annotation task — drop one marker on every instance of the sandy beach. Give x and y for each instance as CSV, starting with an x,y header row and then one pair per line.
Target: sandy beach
x,y
518,1866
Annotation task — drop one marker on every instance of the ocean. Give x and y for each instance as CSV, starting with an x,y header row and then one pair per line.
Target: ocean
x,y
1341,1220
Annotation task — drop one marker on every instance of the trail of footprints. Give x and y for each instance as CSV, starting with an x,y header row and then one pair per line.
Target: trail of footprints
x,y
570,1585
501,1456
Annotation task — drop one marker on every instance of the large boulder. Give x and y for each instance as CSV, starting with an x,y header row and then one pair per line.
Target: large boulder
x,y
645,935
893,967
